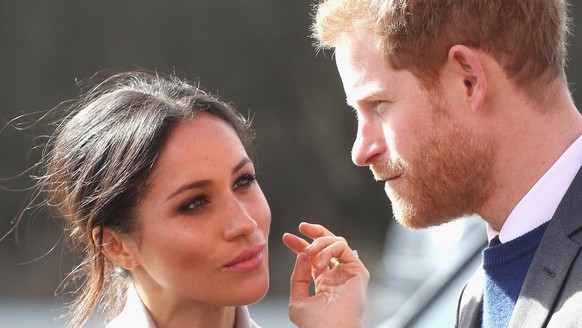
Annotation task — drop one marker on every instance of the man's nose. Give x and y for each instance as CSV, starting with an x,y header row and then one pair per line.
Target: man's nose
x,y
370,142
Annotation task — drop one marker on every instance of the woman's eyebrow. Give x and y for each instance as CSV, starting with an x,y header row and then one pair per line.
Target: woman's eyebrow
x,y
206,182
241,164
193,185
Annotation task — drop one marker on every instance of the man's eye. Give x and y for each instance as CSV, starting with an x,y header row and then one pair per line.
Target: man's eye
x,y
381,106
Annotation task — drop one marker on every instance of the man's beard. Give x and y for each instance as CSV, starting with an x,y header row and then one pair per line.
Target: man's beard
x,y
448,177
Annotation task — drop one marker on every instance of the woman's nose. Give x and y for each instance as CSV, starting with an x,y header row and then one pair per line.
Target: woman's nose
x,y
240,222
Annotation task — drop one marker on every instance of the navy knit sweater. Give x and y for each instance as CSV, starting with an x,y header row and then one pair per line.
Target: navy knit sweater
x,y
505,268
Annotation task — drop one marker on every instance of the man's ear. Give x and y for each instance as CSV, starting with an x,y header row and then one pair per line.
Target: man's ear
x,y
468,67
116,247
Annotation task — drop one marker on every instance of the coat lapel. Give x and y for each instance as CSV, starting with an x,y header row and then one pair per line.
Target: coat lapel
x,y
470,305
551,263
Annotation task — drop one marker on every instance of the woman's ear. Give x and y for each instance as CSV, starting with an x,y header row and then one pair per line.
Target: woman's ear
x,y
115,246
468,69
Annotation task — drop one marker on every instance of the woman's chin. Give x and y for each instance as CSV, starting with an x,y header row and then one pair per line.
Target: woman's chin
x,y
252,293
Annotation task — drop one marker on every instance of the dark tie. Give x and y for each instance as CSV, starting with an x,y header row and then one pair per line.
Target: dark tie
x,y
494,241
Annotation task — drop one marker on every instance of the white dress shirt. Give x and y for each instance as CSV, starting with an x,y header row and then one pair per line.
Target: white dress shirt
x,y
540,203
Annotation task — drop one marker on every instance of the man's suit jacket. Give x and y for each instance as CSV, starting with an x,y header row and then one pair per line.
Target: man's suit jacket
x,y
551,295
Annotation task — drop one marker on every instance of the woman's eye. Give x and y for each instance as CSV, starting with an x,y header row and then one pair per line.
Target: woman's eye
x,y
193,204
245,180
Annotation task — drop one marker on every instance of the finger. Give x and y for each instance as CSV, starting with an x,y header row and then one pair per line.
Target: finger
x,y
318,248
300,279
314,231
294,243
339,251
322,242
298,245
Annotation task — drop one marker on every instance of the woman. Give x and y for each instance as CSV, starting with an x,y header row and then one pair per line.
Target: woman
x,y
157,186
156,183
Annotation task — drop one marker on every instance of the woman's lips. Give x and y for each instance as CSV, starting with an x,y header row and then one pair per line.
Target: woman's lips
x,y
248,260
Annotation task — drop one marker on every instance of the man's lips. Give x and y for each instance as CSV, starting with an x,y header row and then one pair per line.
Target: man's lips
x,y
387,178
390,181
394,177
384,174
248,260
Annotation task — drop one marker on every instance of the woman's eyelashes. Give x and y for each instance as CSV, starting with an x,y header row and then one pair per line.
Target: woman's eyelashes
x,y
196,203
246,179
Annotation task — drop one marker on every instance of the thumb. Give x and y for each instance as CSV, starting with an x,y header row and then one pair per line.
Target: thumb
x,y
300,279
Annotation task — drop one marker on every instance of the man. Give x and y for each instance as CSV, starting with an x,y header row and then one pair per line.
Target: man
x,y
463,108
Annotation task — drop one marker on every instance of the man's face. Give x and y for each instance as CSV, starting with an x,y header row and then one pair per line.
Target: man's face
x,y
433,161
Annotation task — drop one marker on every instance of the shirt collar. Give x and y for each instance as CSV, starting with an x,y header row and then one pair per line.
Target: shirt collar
x,y
540,203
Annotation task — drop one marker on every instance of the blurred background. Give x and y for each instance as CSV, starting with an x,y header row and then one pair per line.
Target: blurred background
x,y
256,54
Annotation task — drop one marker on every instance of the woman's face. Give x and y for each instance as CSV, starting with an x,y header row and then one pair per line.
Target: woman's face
x,y
203,223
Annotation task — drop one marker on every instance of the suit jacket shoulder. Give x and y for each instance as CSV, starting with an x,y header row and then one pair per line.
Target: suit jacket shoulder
x,y
551,295
552,292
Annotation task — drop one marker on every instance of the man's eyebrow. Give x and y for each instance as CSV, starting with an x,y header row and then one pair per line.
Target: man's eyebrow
x,y
366,95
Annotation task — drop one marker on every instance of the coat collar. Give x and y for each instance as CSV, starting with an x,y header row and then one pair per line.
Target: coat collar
x,y
135,314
